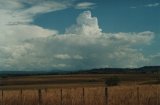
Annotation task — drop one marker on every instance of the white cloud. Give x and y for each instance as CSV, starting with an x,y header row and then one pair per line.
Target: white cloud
x,y
12,34
85,5
133,7
147,5
86,25
10,4
62,56
132,38
45,7
83,46
66,56
155,60
16,17
152,5
25,46
17,12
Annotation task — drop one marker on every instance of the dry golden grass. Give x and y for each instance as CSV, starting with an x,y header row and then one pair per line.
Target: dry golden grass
x,y
122,96
94,96
29,97
11,97
149,95
72,96
51,97
134,95
0,97
118,95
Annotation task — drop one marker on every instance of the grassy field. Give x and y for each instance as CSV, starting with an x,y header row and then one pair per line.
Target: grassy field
x,y
118,95
124,79
80,90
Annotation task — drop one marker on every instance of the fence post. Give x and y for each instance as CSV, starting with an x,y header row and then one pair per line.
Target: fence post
x,y
106,95
83,96
39,97
2,98
61,97
21,97
157,93
138,96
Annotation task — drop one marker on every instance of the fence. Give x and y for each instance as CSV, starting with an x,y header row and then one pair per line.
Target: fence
x,y
55,96
120,95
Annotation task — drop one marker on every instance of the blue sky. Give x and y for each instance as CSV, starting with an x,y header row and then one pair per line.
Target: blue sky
x,y
78,34
113,16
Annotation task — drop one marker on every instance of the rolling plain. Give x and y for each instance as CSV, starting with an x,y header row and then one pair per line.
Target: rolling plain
x,y
81,89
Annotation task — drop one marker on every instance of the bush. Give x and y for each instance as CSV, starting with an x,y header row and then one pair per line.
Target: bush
x,y
113,81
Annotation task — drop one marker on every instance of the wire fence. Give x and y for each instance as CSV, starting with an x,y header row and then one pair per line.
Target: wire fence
x,y
119,95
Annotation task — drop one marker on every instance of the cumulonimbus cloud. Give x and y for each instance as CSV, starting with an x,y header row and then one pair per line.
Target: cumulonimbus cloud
x,y
83,46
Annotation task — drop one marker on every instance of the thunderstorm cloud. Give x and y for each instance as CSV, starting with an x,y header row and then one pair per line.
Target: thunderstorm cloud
x,y
84,45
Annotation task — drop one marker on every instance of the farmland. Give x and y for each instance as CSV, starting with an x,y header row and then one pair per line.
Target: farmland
x,y
81,89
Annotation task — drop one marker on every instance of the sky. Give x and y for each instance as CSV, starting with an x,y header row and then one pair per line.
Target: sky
x,y
78,34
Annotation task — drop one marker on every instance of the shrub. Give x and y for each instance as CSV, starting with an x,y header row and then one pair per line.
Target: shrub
x,y
113,81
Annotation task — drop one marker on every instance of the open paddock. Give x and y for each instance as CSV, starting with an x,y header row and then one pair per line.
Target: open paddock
x,y
86,95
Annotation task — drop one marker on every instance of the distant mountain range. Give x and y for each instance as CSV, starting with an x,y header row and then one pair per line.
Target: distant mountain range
x,y
145,69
